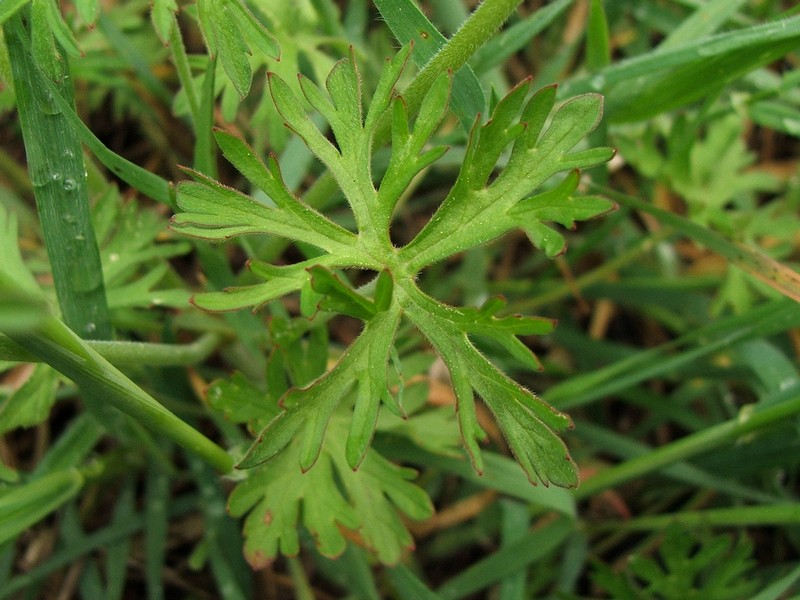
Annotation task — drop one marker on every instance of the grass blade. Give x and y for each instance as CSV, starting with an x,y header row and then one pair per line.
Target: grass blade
x,y
510,559
57,171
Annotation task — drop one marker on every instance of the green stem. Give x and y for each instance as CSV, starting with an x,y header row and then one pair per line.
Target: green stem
x,y
474,33
121,354
58,174
184,71
747,422
57,345
738,516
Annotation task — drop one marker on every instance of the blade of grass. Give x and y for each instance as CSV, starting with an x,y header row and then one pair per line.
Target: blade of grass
x,y
704,21
752,418
27,504
72,447
655,82
71,533
408,585
598,45
738,516
500,473
116,560
149,184
157,497
91,542
754,262
778,588
509,559
58,174
514,527
767,319
626,448
221,533
300,583
356,572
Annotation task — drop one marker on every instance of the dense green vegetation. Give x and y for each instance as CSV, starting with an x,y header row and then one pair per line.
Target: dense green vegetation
x,y
318,299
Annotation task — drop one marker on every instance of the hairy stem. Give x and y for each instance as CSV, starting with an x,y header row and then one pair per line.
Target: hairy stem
x,y
474,33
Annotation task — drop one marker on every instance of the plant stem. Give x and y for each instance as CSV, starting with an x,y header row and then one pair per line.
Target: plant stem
x,y
476,31
57,345
122,354
737,516
58,174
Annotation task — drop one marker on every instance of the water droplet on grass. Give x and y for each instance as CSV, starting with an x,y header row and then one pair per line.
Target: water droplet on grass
x,y
49,106
69,184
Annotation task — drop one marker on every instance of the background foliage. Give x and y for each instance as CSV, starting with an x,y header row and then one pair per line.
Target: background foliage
x,y
131,380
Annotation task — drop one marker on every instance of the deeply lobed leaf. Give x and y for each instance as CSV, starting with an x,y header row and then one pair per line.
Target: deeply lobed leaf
x,y
278,496
483,205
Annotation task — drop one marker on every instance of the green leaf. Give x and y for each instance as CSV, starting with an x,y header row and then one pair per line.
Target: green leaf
x,y
242,402
338,296
30,403
280,281
363,364
228,26
268,179
561,206
88,10
232,50
384,91
481,206
598,53
217,212
9,9
529,423
252,30
480,211
408,158
279,495
24,505
162,14
409,24
644,86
